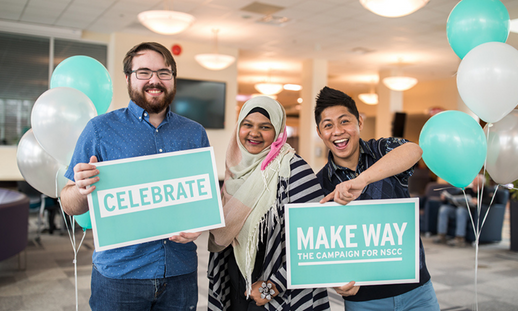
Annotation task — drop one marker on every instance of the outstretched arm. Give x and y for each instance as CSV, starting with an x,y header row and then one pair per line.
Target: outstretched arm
x,y
394,162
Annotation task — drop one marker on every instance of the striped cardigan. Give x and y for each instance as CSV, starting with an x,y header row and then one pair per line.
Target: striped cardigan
x,y
301,187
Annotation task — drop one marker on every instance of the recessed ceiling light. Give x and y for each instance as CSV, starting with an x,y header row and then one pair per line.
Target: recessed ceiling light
x,y
393,8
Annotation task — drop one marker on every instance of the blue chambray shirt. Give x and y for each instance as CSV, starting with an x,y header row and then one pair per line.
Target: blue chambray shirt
x,y
126,133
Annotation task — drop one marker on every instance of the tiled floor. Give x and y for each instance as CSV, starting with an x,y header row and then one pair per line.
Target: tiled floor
x,y
48,283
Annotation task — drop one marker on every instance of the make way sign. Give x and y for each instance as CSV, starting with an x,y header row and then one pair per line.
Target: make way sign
x,y
369,241
152,197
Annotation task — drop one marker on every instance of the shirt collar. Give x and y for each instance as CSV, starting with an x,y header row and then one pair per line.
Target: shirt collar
x,y
138,111
365,150
141,114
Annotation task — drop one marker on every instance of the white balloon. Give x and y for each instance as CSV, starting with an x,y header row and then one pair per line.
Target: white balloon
x,y
487,80
40,169
502,149
58,118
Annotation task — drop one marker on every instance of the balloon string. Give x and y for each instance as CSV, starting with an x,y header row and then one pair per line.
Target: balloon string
x,y
72,238
75,267
489,207
475,228
476,231
443,188
480,193
476,272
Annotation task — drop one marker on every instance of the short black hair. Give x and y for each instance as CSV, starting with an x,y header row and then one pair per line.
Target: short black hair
x,y
329,97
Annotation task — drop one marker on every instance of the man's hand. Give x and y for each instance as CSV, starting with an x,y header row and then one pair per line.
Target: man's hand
x,y
256,294
347,191
348,289
185,237
85,174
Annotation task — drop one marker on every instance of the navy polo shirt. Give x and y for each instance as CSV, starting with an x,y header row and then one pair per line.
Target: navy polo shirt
x,y
126,133
389,188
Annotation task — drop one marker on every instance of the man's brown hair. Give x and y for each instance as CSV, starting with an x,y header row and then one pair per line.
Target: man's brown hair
x,y
153,46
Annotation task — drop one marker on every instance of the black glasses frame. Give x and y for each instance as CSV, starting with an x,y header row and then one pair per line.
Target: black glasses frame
x,y
157,72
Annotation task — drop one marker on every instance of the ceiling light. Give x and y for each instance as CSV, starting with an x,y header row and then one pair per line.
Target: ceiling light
x,y
292,87
514,25
369,98
165,22
393,8
268,88
215,61
399,83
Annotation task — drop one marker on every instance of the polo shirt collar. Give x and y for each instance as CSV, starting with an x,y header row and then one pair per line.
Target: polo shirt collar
x,y
365,151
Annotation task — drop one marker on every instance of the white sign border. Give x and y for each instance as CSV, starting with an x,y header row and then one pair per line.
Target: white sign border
x,y
358,202
163,236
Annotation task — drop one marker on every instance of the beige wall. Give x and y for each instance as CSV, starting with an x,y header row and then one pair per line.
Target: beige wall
x,y
428,94
425,95
369,126
8,166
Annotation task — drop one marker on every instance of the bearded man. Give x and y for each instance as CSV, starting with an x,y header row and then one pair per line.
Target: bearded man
x,y
157,275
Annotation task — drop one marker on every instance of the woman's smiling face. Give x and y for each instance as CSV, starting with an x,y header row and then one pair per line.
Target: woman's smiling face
x,y
256,133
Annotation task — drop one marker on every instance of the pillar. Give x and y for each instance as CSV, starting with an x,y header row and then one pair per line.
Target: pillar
x,y
311,147
389,102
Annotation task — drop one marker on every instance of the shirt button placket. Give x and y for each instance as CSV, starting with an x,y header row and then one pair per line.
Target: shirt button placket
x,y
156,141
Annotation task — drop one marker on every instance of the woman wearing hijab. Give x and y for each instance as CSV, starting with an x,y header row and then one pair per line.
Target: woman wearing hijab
x,y
247,267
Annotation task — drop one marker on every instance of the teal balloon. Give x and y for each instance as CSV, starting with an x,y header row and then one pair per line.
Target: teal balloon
x,y
87,75
84,220
454,147
473,22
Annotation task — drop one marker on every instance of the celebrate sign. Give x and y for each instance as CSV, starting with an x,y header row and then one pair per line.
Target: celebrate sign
x,y
149,198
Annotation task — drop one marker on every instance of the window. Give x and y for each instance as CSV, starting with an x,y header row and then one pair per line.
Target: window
x,y
25,63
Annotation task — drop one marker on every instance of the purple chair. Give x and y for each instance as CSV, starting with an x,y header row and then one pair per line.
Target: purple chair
x,y
14,224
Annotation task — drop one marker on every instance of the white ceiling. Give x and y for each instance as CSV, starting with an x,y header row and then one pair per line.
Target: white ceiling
x,y
356,43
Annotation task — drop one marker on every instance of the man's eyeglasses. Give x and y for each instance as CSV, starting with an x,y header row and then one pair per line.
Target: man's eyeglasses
x,y
146,74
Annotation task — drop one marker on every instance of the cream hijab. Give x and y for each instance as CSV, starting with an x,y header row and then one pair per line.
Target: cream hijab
x,y
249,192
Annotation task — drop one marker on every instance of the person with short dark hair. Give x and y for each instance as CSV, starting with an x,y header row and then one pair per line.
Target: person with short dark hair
x,y
156,275
362,170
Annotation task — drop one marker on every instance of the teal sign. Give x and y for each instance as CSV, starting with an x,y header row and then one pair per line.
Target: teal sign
x,y
369,242
149,198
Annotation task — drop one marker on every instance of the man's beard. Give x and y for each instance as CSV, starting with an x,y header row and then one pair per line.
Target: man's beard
x,y
154,105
